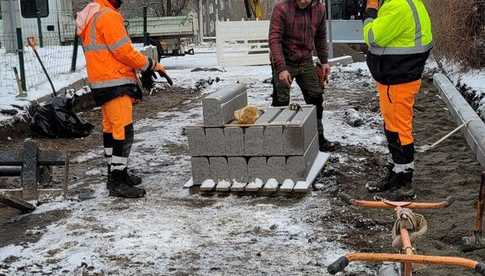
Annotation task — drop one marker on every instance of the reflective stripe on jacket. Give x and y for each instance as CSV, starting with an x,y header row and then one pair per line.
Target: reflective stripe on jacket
x,y
399,39
110,55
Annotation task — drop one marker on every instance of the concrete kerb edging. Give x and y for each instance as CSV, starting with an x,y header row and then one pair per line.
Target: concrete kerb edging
x,y
343,60
462,112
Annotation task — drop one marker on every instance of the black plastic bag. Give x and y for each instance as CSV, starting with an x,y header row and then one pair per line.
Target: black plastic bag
x,y
55,119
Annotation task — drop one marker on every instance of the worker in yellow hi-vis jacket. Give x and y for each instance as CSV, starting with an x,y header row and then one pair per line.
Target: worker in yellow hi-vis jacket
x,y
399,36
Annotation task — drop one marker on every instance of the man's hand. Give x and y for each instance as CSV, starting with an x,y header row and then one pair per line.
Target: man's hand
x,y
160,69
323,72
373,4
285,78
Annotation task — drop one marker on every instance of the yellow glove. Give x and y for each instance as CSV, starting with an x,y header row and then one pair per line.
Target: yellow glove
x,y
373,4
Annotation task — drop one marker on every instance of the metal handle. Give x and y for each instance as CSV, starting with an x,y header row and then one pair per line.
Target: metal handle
x,y
480,268
338,266
169,80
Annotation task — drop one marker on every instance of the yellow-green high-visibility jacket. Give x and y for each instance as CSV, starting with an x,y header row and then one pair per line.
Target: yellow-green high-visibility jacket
x,y
400,39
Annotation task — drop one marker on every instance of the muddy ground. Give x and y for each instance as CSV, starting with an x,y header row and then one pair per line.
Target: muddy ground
x,y
12,138
446,170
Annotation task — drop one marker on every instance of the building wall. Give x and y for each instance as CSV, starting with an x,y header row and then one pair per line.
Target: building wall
x,y
228,10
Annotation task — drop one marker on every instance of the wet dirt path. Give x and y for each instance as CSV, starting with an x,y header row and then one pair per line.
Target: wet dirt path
x,y
441,172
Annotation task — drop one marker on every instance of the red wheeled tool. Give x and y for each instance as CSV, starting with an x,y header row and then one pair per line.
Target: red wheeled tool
x,y
406,221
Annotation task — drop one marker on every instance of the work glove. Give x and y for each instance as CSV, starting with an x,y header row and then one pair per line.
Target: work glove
x,y
323,71
148,76
372,4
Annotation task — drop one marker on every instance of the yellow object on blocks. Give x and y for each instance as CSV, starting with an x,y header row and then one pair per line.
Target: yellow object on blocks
x,y
247,115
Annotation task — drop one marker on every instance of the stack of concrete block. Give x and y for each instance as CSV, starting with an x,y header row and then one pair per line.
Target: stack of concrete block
x,y
274,153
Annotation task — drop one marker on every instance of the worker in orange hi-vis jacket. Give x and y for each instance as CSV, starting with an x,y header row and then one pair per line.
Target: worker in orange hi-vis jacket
x,y
111,61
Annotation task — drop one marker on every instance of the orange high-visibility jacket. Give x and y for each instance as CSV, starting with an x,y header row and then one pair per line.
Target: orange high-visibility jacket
x,y
110,56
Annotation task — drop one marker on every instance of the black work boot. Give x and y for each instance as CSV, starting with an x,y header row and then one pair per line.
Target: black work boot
x,y
385,183
134,180
325,145
119,186
401,188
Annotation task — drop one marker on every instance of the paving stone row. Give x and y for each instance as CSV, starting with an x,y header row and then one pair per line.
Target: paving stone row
x,y
247,169
278,132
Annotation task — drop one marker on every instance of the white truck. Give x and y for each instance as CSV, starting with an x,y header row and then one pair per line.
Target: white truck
x,y
57,25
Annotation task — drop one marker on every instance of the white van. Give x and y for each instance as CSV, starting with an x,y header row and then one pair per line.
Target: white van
x,y
58,25
56,20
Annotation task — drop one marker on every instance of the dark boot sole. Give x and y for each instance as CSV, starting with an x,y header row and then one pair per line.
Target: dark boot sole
x,y
117,194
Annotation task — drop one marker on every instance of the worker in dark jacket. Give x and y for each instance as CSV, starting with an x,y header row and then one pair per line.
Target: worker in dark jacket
x,y
399,37
297,29
111,61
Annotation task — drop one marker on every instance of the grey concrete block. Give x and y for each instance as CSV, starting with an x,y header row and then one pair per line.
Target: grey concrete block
x,y
208,185
238,186
269,114
271,185
218,108
196,139
234,141
215,140
200,169
343,60
300,131
299,166
254,136
302,187
254,185
287,185
236,103
273,140
257,168
253,140
276,168
223,186
219,169
273,135
238,169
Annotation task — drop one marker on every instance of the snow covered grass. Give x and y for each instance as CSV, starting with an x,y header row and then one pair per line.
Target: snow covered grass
x,y
56,59
470,83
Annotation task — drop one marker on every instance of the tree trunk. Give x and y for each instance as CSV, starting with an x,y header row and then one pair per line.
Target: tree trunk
x,y
169,7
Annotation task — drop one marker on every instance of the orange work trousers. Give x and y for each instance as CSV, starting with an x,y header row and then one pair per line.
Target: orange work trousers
x,y
396,103
117,114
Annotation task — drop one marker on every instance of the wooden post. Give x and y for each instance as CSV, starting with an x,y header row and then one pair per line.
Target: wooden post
x,y
201,22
